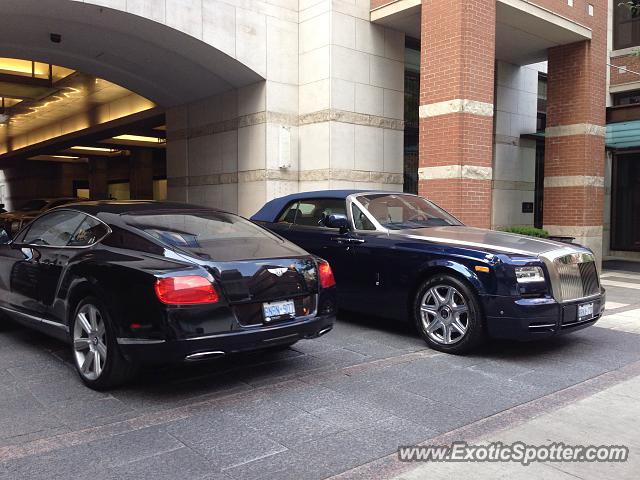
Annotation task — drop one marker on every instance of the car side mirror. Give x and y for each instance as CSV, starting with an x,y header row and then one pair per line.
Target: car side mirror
x,y
337,220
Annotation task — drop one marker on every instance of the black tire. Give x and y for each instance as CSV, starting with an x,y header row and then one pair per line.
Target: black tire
x,y
472,319
116,370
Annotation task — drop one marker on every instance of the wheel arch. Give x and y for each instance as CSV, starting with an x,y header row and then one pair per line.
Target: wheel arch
x,y
457,270
81,287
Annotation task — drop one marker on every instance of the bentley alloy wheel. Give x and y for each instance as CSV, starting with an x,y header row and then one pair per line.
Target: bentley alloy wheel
x,y
98,359
90,342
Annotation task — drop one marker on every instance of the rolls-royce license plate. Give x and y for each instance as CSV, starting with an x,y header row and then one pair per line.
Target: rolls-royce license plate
x,y
585,311
278,310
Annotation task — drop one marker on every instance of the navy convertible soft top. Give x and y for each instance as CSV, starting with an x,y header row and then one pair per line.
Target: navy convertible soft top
x,y
271,209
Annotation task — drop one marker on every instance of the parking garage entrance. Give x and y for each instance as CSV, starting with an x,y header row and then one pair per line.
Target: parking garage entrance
x,y
84,95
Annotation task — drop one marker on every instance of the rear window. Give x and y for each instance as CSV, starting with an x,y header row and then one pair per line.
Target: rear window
x,y
197,230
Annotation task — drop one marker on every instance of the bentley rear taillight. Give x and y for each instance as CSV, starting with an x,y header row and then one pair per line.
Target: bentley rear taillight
x,y
327,279
187,290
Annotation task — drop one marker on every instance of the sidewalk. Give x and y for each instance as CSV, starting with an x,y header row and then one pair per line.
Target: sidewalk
x,y
609,417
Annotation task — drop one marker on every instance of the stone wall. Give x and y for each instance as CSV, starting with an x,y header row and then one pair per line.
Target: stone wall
x,y
329,114
514,157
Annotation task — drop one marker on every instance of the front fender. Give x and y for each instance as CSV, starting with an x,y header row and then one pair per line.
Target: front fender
x,y
483,283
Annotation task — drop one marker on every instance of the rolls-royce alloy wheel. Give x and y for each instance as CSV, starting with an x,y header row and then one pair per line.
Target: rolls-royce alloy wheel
x,y
448,315
95,351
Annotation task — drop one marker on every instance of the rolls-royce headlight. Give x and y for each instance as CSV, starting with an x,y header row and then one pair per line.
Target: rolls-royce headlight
x,y
529,274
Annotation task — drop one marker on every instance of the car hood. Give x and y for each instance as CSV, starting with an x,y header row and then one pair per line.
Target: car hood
x,y
482,239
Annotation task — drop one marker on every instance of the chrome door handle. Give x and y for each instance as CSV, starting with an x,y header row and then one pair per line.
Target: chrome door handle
x,y
347,240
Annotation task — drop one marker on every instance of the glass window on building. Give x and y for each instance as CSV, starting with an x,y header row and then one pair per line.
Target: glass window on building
x,y
538,212
542,103
626,98
411,107
626,24
625,199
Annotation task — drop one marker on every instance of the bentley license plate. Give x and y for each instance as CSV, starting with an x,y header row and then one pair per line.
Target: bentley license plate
x,y
585,311
278,310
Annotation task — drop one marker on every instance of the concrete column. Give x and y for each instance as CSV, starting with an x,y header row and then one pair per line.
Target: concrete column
x,y
456,107
575,137
141,174
98,178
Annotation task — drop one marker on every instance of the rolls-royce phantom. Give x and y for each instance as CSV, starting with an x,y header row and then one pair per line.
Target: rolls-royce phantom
x,y
401,256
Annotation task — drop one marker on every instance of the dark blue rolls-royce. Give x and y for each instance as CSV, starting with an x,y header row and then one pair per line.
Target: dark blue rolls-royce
x,y
401,256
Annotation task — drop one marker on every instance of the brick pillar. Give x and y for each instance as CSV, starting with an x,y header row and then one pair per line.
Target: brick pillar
x,y
456,107
575,143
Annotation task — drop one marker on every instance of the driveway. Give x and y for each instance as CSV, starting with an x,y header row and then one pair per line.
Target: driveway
x,y
341,404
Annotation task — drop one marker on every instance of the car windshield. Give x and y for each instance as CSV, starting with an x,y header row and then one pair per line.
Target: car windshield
x,y
199,231
33,205
398,211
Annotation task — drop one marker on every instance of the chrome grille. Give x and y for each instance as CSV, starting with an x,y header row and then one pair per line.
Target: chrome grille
x,y
578,276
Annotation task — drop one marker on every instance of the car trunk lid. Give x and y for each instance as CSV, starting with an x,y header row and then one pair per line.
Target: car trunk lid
x,y
267,280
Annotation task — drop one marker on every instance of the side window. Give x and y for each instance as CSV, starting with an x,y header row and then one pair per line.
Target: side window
x,y
360,219
289,213
88,233
313,212
55,229
121,238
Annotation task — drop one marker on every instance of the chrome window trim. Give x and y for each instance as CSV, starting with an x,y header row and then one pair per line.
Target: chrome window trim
x,y
352,200
57,210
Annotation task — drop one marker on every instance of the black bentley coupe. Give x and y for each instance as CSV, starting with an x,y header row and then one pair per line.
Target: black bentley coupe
x,y
140,282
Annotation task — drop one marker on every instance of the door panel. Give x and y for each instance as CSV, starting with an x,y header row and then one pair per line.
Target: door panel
x,y
35,261
18,277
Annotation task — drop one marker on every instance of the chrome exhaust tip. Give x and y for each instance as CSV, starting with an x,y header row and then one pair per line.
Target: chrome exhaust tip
x,y
322,332
194,357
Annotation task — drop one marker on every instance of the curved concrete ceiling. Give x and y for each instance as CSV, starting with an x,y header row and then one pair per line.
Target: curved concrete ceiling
x,y
158,62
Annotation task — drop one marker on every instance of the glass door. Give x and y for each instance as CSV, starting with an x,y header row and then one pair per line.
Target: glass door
x,y
625,198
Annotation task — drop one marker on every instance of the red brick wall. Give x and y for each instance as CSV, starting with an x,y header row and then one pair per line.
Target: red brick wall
x,y
573,206
469,200
578,13
450,139
629,61
575,155
458,50
458,61
577,95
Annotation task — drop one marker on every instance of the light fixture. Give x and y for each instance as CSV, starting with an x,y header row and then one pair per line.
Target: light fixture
x,y
94,149
16,66
139,138
59,158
